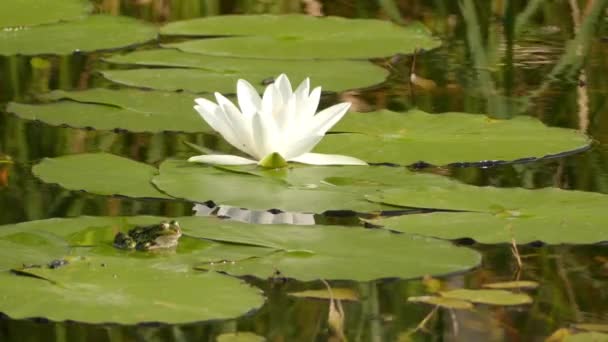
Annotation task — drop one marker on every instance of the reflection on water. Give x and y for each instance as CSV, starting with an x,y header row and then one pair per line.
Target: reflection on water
x,y
497,59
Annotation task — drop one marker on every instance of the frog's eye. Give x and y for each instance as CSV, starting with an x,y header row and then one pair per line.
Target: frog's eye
x,y
174,223
165,225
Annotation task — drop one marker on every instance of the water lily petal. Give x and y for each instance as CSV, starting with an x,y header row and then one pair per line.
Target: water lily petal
x,y
241,128
327,159
302,146
267,100
218,121
265,136
248,98
206,104
327,118
310,105
283,86
221,159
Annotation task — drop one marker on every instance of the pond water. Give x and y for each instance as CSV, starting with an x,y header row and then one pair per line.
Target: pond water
x,y
501,61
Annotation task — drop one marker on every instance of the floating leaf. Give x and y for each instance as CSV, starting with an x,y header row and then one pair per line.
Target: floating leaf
x,y
199,73
337,294
448,303
299,37
99,290
100,173
98,32
440,139
300,189
491,297
101,283
508,285
331,252
550,215
133,110
36,12
240,336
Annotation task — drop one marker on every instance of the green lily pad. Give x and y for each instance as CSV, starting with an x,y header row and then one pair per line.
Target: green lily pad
x,y
448,138
36,12
100,173
448,303
336,294
300,189
509,285
240,336
98,32
550,215
99,290
333,252
299,37
491,297
100,283
105,109
220,74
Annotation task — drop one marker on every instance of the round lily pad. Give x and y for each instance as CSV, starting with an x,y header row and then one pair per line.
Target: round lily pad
x,y
105,109
100,173
96,283
299,37
498,215
212,73
447,138
298,188
333,252
98,32
36,12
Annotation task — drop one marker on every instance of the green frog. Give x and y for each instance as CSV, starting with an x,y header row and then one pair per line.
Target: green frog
x,y
146,238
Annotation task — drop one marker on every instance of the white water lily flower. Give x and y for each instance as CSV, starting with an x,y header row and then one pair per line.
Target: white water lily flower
x,y
280,126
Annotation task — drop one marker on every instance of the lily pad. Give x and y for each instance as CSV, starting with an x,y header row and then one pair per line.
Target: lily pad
x,y
509,285
550,215
133,110
491,297
301,189
100,173
333,252
448,138
448,303
36,12
99,290
299,37
98,32
336,294
240,336
100,283
200,73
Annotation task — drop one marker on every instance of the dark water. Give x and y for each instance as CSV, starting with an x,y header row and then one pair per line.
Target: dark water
x,y
516,77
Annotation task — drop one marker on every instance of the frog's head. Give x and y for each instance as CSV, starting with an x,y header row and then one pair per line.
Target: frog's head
x,y
171,228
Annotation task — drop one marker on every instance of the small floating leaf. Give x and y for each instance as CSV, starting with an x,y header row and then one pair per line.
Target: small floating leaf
x,y
592,327
491,297
338,294
299,37
440,139
35,12
448,303
587,337
98,32
508,285
133,110
100,173
240,336
200,73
